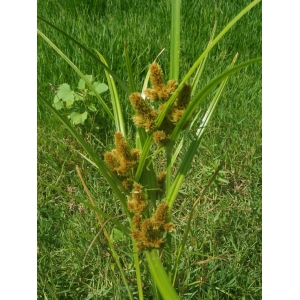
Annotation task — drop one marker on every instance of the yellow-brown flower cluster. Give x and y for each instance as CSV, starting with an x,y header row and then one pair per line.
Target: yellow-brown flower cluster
x,y
161,183
121,160
180,104
149,233
146,115
159,91
138,202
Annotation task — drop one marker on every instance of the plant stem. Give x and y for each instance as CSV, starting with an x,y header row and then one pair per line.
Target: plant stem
x,y
137,269
160,276
175,40
168,150
129,69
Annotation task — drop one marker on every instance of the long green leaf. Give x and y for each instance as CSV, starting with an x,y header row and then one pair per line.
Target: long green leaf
x,y
89,84
200,96
183,139
137,268
213,104
162,114
202,64
194,85
188,113
88,51
143,158
111,178
175,39
185,165
180,145
129,69
160,276
118,114
141,135
181,173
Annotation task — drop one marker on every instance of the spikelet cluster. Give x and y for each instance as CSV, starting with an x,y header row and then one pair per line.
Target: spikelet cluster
x,y
122,159
161,183
159,91
180,104
145,115
138,202
164,132
149,233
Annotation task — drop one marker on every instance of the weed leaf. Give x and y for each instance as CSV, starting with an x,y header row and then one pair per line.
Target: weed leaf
x,y
65,93
78,118
99,87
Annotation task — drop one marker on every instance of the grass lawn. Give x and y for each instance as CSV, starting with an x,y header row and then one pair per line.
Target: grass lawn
x,y
222,259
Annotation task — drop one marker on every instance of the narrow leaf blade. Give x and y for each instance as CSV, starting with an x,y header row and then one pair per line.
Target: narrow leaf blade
x,y
160,276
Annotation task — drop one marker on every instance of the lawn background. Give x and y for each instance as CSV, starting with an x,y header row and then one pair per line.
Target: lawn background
x,y
18,30
228,225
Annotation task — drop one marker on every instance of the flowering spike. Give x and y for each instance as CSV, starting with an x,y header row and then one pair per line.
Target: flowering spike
x,y
149,232
145,115
138,202
161,182
159,91
184,97
156,76
121,159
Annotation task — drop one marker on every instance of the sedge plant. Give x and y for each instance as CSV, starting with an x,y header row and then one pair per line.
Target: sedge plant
x,y
164,112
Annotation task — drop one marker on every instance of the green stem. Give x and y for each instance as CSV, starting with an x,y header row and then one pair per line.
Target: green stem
x,y
137,269
160,276
155,290
117,108
175,40
143,158
168,150
129,69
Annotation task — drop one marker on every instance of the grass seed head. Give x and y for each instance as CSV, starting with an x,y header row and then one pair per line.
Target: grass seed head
x,y
121,159
145,114
159,91
184,97
156,76
149,233
161,182
138,202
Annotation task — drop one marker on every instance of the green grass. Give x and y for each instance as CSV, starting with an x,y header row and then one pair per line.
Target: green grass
x,y
226,227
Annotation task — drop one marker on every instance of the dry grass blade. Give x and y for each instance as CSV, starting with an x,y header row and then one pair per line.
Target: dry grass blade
x,y
201,262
